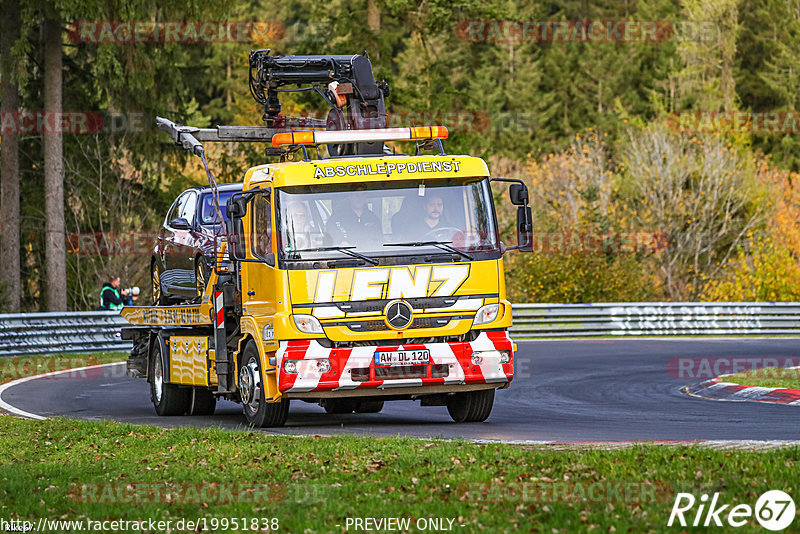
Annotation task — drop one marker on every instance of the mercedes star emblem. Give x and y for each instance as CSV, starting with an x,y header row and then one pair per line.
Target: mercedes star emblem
x,y
398,314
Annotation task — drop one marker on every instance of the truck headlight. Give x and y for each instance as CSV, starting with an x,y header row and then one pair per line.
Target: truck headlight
x,y
308,324
294,367
486,314
491,356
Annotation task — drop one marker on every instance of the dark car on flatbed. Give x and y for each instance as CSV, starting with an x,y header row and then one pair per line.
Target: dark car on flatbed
x,y
184,250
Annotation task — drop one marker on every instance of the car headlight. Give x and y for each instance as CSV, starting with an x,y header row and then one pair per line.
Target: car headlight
x,y
308,324
486,314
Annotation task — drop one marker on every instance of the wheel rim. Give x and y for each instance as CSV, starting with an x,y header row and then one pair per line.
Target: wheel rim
x,y
156,285
200,277
158,379
250,385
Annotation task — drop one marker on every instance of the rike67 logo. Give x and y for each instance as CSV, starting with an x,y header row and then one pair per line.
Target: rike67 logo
x,y
774,510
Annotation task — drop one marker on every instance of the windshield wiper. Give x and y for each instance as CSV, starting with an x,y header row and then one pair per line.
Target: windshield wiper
x,y
444,245
293,255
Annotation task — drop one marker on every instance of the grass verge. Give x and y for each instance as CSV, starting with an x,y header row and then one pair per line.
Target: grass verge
x,y
768,377
22,366
102,470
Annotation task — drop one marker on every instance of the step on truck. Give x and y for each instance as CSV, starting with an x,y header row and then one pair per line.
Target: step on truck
x,y
355,277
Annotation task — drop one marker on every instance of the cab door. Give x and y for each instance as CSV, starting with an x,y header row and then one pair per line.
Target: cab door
x,y
261,288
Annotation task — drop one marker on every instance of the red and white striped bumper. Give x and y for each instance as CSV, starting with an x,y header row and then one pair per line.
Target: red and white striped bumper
x,y
353,367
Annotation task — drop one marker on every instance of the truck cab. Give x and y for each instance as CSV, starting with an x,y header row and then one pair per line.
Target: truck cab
x,y
354,297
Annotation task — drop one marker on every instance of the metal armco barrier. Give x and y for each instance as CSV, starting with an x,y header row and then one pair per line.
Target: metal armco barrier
x,y
55,333
60,332
655,319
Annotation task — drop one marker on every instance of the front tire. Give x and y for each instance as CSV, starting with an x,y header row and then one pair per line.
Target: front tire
x,y
257,410
471,406
168,399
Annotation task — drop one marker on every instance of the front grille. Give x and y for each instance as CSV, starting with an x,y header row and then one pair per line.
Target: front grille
x,y
361,374
461,338
394,373
378,326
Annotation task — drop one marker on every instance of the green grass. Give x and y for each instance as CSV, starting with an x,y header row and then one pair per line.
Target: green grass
x,y
769,377
22,366
76,469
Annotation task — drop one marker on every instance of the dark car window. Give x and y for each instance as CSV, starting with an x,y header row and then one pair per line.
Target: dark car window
x,y
186,210
208,213
173,211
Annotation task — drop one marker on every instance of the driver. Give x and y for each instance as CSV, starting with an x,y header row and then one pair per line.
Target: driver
x,y
431,219
355,224
300,225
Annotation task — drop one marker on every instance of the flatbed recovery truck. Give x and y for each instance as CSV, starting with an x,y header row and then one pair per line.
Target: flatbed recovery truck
x,y
299,306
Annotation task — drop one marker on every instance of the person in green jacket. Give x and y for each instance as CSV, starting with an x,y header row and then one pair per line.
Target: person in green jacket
x,y
111,298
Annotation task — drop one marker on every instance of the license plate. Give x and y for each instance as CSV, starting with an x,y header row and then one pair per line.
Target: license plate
x,y
403,357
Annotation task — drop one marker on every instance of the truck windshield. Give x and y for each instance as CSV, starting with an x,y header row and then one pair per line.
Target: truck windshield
x,y
387,219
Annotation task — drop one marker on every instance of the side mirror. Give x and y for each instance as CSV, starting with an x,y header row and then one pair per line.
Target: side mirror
x,y
237,208
179,223
518,194
524,228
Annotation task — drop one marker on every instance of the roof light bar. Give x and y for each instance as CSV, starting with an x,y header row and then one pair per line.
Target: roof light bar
x,y
321,137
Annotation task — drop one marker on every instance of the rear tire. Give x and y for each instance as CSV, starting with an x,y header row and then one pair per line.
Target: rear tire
x,y
168,399
202,402
471,407
257,410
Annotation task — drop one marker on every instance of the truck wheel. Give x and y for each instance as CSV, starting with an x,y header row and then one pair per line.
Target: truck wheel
x,y
257,410
203,402
471,407
340,405
168,399
369,407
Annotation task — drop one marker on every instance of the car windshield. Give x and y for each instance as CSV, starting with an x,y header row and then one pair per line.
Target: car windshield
x,y
208,214
387,219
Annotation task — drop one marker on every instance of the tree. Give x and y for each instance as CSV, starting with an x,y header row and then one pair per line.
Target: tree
x,y
9,167
55,232
705,195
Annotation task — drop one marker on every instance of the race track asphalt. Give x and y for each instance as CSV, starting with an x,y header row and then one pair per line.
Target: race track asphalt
x,y
565,390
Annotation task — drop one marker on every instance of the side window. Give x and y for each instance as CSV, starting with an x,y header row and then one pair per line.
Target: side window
x,y
188,208
261,232
175,209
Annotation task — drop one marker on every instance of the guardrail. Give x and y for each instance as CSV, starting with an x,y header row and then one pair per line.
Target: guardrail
x,y
533,321
55,333
59,332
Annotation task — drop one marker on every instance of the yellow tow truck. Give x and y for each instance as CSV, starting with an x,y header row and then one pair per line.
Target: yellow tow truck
x,y
350,279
